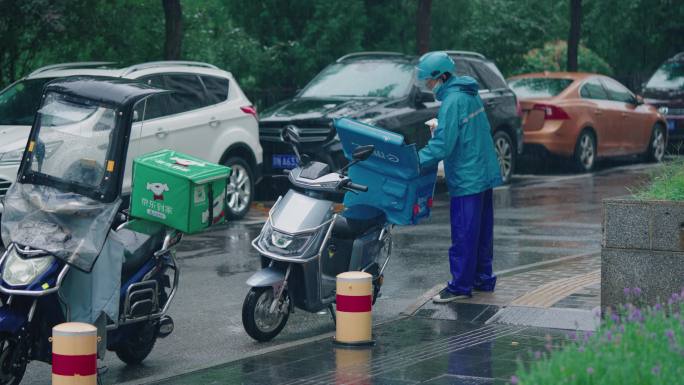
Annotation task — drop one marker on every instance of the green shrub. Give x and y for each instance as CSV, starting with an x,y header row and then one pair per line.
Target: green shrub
x,y
667,183
636,345
553,57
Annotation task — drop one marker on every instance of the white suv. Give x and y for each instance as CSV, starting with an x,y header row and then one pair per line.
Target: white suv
x,y
207,115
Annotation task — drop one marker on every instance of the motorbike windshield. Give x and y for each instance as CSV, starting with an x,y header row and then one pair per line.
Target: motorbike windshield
x,y
58,203
73,143
70,226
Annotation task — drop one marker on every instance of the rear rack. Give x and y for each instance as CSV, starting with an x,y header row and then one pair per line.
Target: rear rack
x,y
154,64
64,66
467,53
369,53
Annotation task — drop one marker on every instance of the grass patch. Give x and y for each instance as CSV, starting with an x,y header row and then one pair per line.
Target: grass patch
x,y
667,183
643,345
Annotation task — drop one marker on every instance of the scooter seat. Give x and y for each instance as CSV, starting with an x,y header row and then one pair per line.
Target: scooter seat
x,y
351,228
141,239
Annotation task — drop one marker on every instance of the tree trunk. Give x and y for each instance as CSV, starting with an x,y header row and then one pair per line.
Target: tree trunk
x,y
575,31
423,26
173,16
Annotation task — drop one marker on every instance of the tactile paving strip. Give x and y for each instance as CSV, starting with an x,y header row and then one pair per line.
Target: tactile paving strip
x,y
548,294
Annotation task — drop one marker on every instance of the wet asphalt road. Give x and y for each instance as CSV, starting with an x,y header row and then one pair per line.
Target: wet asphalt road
x,y
537,218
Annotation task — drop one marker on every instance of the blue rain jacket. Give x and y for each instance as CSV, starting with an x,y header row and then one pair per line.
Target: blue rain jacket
x,y
463,140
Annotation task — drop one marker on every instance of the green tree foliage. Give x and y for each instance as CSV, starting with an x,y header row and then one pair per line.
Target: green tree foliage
x,y
297,39
552,57
273,47
25,27
503,30
634,36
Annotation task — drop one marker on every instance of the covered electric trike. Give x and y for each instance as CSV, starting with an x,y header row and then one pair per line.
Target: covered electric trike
x,y
72,252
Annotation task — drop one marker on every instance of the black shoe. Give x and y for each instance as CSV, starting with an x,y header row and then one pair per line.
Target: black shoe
x,y
446,296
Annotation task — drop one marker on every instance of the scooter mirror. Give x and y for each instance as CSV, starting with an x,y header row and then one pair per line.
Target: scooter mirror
x,y
363,152
290,134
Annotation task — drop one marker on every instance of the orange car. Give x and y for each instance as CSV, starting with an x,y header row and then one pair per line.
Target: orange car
x,y
587,116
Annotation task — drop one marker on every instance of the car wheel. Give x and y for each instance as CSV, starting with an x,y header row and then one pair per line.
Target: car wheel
x,y
657,145
505,154
585,152
240,188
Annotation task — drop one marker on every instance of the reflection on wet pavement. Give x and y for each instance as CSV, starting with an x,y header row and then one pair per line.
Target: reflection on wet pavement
x,y
409,351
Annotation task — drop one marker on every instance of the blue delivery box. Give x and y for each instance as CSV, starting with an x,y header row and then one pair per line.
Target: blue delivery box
x,y
396,183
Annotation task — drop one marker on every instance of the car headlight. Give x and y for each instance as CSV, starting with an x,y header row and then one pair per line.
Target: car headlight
x,y
663,110
18,271
12,157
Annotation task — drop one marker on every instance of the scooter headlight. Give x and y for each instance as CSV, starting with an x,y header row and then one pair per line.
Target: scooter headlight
x,y
18,271
281,240
284,244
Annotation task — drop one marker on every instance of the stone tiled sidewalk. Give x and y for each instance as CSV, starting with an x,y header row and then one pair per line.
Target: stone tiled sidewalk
x,y
587,298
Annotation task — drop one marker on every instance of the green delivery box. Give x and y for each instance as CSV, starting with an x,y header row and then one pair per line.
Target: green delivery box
x,y
178,190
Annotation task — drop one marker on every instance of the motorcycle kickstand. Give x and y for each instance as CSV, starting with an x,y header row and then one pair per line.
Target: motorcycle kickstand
x,y
332,313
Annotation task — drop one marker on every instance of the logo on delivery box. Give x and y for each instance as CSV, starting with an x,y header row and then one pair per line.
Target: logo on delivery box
x,y
187,162
158,190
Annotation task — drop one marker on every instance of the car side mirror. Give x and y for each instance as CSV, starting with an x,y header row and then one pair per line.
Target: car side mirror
x,y
426,96
422,96
362,153
639,100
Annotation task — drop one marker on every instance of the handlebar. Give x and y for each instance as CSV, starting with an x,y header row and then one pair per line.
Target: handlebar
x,y
357,187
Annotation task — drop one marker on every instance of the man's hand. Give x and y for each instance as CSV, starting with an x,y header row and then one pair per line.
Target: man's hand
x,y
432,124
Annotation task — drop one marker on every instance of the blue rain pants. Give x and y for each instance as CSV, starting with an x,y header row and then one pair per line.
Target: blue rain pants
x,y
472,243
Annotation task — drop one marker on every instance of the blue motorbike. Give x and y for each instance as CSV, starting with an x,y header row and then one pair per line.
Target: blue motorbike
x,y
72,252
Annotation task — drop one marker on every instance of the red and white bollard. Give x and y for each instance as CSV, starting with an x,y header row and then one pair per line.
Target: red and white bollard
x,y
74,354
354,309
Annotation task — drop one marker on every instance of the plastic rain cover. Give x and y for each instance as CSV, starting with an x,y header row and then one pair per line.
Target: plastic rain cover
x,y
69,226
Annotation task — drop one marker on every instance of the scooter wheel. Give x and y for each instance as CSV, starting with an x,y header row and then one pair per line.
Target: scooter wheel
x,y
138,343
11,371
258,321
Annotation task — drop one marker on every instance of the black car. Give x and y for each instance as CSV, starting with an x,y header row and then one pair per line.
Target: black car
x,y
665,90
379,88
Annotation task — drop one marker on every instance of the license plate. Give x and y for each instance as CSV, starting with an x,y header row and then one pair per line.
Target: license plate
x,y
671,125
284,161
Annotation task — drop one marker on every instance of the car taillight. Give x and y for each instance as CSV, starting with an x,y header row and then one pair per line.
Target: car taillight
x,y
552,112
416,210
250,110
429,203
518,108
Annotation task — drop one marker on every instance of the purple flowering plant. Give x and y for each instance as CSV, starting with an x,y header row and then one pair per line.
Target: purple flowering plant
x,y
637,344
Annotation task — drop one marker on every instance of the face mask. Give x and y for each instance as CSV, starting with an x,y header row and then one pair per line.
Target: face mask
x,y
437,87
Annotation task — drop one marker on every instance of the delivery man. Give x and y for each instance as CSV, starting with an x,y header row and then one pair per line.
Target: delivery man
x,y
462,139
